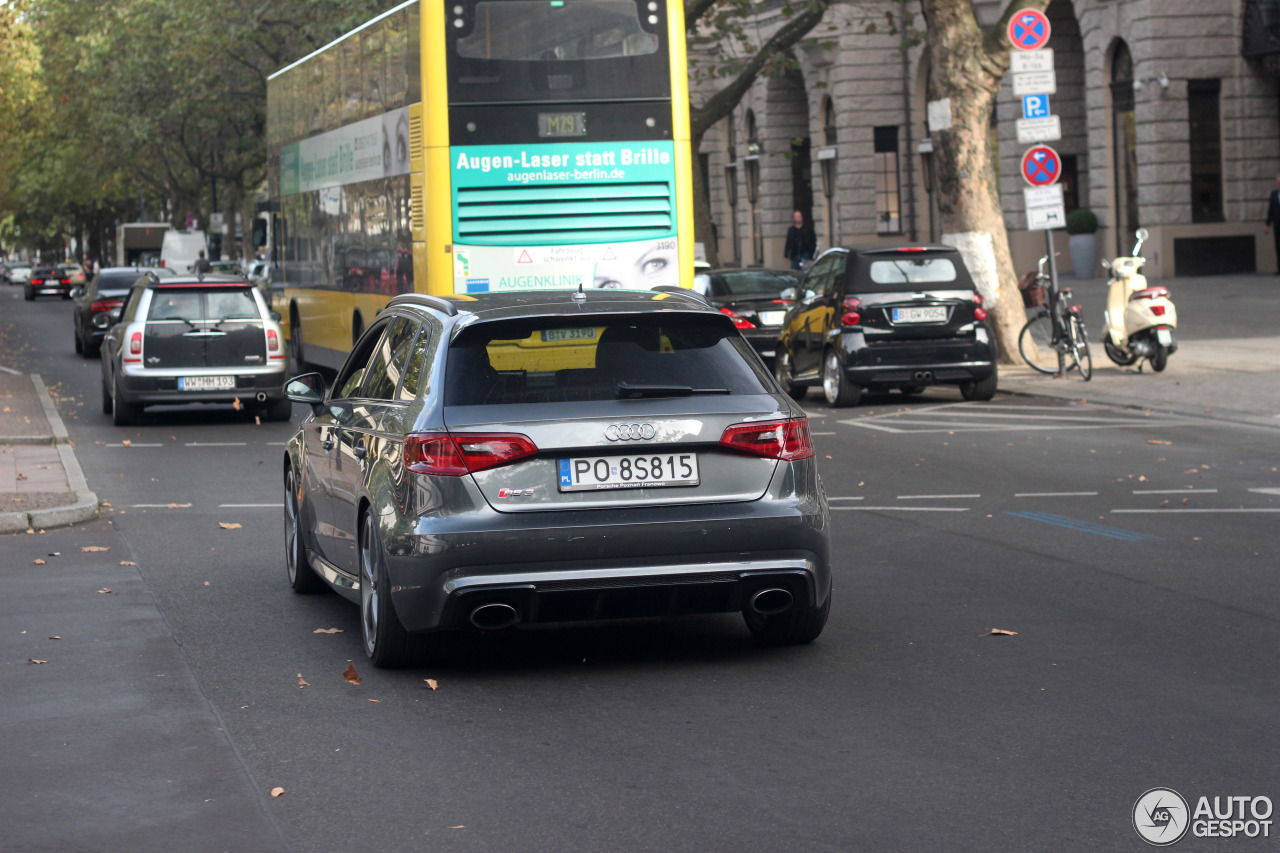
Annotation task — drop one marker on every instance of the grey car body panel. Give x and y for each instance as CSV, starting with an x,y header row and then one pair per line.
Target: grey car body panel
x,y
443,537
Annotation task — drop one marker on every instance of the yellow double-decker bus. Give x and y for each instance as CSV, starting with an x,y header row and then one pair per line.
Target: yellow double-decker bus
x,y
478,145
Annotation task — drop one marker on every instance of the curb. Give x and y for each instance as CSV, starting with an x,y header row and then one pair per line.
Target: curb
x,y
86,506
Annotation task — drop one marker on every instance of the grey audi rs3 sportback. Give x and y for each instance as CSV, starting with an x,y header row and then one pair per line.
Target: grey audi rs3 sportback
x,y
490,461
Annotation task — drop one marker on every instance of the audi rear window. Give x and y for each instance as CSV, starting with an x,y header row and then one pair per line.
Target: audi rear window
x,y
548,360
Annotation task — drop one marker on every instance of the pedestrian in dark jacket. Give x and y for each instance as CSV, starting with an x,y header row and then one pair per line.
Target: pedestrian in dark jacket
x,y
1273,220
802,243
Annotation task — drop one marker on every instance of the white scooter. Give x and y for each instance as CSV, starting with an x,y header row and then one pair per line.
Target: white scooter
x,y
1139,320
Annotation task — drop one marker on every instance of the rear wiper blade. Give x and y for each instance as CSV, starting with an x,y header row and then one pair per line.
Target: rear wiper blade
x,y
628,391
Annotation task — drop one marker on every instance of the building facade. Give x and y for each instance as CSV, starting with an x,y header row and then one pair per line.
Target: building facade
x,y
1170,113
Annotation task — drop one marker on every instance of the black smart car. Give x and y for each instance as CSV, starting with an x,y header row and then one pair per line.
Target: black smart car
x,y
887,317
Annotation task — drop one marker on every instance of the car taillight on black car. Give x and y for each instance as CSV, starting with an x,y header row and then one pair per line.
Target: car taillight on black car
x,y
100,305
739,322
979,313
852,305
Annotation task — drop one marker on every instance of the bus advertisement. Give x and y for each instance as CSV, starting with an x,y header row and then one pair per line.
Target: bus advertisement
x,y
475,146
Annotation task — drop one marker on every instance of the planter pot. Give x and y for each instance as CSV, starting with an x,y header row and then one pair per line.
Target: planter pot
x,y
1084,254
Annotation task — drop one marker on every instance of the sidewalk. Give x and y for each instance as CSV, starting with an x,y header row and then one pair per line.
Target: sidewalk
x,y
41,484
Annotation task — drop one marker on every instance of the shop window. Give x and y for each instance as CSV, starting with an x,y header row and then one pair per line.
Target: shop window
x,y
1206,150
888,213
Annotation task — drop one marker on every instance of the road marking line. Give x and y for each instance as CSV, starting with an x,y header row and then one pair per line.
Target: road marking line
x,y
250,506
286,444
1054,494
1082,526
934,497
216,443
1175,491
847,499
906,508
1179,509
134,444
12,372
822,433
1268,490
160,506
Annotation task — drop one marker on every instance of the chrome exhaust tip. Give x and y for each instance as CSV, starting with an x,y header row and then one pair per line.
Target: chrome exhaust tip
x,y
924,376
494,616
261,397
773,600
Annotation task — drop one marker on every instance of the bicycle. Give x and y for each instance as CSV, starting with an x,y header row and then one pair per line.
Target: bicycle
x,y
1054,340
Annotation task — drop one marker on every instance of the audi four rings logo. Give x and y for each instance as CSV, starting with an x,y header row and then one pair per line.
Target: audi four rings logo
x,y
629,432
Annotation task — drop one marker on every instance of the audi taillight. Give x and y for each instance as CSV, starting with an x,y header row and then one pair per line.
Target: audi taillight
x,y
464,453
739,322
273,340
100,305
135,343
852,305
787,440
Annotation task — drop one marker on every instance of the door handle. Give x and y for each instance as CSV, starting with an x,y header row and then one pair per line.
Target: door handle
x,y
359,451
327,444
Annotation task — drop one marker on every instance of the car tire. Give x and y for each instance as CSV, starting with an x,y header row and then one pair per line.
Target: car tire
x,y
302,578
123,413
79,343
982,389
28,294
280,410
106,397
386,642
295,344
782,372
791,628
1160,358
836,387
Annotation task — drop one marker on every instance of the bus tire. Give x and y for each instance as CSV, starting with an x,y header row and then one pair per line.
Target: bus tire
x,y
357,327
295,342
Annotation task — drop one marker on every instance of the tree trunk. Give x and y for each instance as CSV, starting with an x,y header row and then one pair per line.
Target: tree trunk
x,y
966,66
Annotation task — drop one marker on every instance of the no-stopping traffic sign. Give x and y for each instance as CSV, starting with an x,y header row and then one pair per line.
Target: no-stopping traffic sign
x,y
1041,166
1029,30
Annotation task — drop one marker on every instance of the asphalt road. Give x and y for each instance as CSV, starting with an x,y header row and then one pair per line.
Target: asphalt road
x,y
1133,553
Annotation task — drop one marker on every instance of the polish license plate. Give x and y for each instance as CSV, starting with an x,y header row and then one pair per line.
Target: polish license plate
x,y
206,383
932,314
771,318
640,471
1164,336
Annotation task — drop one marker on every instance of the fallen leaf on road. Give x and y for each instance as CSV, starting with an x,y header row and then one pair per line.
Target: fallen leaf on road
x,y
176,506
327,631
33,660
350,674
1142,478
92,548
375,700
38,562
275,792
459,826
55,638
432,683
128,563
1186,500
55,553
1157,441
22,476
301,682
257,421
230,525
1192,471
127,443
999,632
236,404
103,591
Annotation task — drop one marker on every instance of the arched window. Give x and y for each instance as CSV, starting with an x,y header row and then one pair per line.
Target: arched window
x,y
1124,142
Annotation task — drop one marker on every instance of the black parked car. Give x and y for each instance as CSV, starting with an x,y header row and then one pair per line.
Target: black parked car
x,y
887,317
756,300
190,339
512,459
47,281
92,310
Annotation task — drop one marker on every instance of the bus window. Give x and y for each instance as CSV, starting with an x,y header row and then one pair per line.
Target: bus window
x,y
526,30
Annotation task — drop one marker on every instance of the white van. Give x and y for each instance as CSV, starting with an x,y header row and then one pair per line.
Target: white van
x,y
181,249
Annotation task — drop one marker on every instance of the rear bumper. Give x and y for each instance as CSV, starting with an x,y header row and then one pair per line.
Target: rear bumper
x,y
920,362
609,564
163,390
50,289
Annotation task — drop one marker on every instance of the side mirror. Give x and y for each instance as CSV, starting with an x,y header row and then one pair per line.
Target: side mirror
x,y
307,388
275,316
810,295
788,295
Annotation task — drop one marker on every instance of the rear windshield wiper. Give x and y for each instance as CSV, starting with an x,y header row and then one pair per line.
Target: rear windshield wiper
x,y
628,391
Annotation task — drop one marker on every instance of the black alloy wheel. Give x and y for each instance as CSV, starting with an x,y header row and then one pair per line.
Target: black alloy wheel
x,y
386,642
